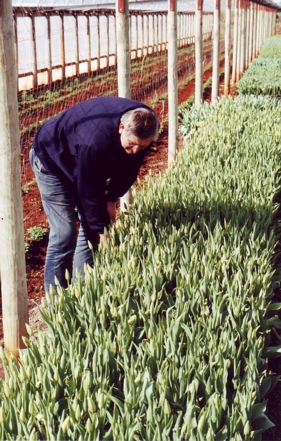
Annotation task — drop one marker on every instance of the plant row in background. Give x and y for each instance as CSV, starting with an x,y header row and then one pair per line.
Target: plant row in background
x,y
264,74
168,335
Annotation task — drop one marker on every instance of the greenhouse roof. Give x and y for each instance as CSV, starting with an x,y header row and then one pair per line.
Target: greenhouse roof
x,y
188,5
158,5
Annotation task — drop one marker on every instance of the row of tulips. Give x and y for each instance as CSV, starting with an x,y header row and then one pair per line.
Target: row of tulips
x,y
264,74
167,337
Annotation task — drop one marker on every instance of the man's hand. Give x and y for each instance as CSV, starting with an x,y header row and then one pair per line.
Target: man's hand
x,y
105,239
111,209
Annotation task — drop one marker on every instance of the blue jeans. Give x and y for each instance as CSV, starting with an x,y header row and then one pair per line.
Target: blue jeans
x,y
65,251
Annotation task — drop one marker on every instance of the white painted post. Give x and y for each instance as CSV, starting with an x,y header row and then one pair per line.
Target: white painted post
x,y
123,66
198,52
227,48
76,43
180,28
172,81
162,47
12,253
243,37
17,58
259,23
193,24
156,26
247,12
141,35
123,48
107,40
48,18
98,42
89,43
34,50
250,56
62,46
188,29
152,33
147,34
239,40
255,30
216,52
274,22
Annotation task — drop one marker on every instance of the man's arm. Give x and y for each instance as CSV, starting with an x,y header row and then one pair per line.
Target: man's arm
x,y
124,175
111,209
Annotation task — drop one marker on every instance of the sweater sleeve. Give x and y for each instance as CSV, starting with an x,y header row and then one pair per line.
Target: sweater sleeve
x,y
124,176
91,180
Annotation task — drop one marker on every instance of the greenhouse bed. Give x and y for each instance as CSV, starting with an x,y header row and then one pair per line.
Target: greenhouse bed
x,y
264,74
168,335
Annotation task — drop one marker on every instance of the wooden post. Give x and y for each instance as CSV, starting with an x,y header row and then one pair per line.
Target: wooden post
x,y
77,42
98,42
227,48
89,43
12,252
62,45
198,53
123,66
239,40
17,60
243,37
246,33
165,37
147,35
163,42
250,53
274,22
35,81
216,53
259,27
48,18
107,40
255,31
185,29
193,24
155,28
137,35
140,34
152,32
115,42
160,32
179,30
123,48
172,81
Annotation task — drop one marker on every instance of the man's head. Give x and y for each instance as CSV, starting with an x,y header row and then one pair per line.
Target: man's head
x,y
138,128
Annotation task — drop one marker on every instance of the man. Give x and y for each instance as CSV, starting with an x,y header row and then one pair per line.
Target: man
x,y
85,159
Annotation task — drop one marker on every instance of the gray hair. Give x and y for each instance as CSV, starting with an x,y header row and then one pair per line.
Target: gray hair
x,y
141,122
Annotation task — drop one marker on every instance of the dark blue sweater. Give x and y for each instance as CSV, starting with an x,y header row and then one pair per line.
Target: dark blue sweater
x,y
83,144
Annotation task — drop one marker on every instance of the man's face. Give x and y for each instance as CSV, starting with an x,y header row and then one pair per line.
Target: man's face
x,y
131,143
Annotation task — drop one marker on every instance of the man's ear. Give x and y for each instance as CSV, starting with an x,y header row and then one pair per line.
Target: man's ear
x,y
121,128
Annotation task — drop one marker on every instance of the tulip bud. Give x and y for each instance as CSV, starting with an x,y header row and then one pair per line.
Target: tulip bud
x,y
66,424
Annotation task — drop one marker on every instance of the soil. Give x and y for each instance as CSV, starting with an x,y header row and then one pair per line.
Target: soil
x,y
155,162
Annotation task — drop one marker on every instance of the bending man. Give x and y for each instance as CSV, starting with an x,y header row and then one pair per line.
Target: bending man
x,y
85,159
